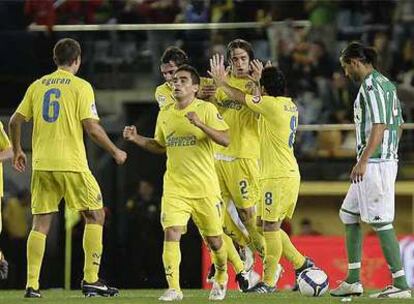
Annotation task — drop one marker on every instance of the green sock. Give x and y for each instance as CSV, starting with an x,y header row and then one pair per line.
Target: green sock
x,y
391,250
353,248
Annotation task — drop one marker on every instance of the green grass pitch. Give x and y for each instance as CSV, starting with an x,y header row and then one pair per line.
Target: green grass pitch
x,y
192,296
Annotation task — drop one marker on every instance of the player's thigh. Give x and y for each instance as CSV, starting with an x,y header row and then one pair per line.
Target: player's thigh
x,y
175,211
82,191
206,214
376,193
279,197
349,212
242,182
47,191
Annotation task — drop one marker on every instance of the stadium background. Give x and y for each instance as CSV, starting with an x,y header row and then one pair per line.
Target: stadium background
x,y
303,37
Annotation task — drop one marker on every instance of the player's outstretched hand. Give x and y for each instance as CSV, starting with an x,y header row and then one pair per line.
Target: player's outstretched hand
x,y
4,267
120,156
130,133
256,69
217,70
19,161
193,118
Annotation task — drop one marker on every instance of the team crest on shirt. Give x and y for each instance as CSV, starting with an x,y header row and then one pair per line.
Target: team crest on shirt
x,y
93,109
161,99
257,99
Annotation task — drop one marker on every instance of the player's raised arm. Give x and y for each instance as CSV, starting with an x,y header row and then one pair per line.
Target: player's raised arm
x,y
99,136
220,137
15,125
219,74
150,144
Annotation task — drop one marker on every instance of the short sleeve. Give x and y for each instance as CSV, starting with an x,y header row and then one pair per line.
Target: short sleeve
x,y
159,134
214,119
25,107
261,104
87,106
4,140
375,101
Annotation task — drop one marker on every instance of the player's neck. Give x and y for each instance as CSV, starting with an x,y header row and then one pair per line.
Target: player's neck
x,y
366,70
185,102
66,68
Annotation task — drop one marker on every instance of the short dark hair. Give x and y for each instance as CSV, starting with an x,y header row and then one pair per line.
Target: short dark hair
x,y
174,54
66,51
356,50
239,44
274,81
195,77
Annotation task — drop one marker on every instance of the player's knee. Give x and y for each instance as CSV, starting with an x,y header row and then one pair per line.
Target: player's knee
x,y
94,216
348,218
214,242
41,223
271,226
246,214
172,234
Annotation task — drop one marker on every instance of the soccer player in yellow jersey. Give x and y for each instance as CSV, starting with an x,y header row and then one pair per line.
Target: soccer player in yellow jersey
x,y
237,164
186,131
62,106
5,153
172,58
279,172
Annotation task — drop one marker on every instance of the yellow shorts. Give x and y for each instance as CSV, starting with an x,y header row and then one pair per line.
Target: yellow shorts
x,y
205,212
79,189
239,180
278,198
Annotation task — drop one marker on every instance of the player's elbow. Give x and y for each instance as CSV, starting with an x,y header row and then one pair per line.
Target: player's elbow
x,y
224,140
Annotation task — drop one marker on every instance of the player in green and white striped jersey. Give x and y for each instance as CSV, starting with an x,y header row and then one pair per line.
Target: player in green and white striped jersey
x,y
378,118
377,103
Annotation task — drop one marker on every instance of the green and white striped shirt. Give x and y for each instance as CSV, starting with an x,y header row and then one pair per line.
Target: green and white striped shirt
x,y
377,102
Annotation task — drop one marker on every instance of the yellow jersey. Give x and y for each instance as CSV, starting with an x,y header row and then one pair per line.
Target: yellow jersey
x,y
190,155
278,123
164,93
58,103
243,122
4,144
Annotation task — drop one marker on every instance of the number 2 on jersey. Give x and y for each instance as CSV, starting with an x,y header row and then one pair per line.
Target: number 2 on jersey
x,y
293,126
48,103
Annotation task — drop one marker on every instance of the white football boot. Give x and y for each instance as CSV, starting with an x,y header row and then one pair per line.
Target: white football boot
x,y
171,295
218,292
345,289
393,293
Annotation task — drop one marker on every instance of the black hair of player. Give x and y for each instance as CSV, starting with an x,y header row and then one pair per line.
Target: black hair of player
x,y
174,54
195,77
274,81
356,50
239,44
66,51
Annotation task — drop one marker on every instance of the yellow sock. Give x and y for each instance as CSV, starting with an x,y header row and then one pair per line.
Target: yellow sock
x,y
36,244
220,263
272,257
233,231
257,239
92,247
171,258
232,254
290,252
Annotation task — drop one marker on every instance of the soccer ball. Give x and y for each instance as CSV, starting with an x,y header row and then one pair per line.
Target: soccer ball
x,y
313,282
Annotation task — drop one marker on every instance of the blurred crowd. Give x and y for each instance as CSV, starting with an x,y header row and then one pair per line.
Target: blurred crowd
x,y
307,53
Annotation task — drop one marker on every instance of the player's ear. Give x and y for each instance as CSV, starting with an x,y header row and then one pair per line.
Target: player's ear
x,y
196,87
